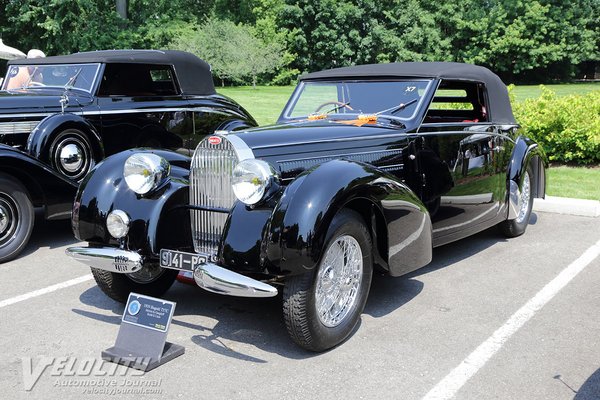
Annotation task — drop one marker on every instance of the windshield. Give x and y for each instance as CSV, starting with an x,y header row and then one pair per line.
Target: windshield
x,y
400,98
78,76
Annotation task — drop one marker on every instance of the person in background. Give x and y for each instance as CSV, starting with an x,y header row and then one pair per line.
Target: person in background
x,y
21,76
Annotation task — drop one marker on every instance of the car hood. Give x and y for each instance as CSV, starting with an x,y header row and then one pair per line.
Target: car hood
x,y
21,102
294,138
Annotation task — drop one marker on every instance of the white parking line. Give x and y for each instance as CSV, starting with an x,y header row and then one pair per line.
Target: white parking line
x,y
451,384
45,290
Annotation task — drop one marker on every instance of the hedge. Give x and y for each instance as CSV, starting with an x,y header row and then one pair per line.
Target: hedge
x,y
567,127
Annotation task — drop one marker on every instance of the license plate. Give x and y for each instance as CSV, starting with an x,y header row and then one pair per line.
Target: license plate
x,y
180,260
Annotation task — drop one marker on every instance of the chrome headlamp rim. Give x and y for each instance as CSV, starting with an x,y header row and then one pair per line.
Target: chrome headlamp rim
x,y
144,172
117,223
252,179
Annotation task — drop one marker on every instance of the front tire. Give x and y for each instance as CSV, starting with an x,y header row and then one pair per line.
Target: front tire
x,y
118,286
516,227
16,218
322,307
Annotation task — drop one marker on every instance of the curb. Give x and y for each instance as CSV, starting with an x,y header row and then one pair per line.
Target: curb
x,y
565,205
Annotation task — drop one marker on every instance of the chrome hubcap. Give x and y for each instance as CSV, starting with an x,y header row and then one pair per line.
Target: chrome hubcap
x,y
8,218
4,219
338,280
71,157
524,200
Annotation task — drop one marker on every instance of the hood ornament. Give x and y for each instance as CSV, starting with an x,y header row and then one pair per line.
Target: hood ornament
x,y
64,101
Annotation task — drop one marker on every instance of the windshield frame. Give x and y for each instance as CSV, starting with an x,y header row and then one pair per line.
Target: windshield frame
x,y
286,113
91,89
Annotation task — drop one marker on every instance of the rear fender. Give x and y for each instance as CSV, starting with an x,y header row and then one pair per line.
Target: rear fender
x,y
527,152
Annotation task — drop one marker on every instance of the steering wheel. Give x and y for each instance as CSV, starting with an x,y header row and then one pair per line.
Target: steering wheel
x,y
333,102
34,83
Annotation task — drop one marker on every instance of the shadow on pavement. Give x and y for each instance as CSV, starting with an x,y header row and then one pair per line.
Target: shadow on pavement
x,y
259,322
50,234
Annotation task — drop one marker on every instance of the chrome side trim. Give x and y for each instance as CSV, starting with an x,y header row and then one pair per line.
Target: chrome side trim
x,y
219,280
110,112
107,258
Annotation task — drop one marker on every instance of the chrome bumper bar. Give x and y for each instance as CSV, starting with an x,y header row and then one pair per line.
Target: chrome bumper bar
x,y
217,279
208,276
107,258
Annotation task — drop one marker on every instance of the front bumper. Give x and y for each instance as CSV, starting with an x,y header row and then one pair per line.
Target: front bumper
x,y
208,276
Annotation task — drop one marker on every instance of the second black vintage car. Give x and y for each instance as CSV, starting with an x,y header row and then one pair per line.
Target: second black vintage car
x,y
61,115
369,167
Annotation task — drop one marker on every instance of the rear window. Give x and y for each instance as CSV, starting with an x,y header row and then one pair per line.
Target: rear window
x,y
138,80
458,101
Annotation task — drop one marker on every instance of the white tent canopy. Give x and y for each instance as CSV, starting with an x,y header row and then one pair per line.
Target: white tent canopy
x,y
10,53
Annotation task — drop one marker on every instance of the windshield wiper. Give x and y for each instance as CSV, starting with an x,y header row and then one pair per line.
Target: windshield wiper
x,y
71,81
337,107
397,108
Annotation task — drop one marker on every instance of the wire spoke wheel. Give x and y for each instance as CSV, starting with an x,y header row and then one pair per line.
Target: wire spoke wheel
x,y
524,200
338,280
322,307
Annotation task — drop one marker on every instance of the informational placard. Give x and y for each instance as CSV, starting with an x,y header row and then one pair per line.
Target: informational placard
x,y
142,339
148,312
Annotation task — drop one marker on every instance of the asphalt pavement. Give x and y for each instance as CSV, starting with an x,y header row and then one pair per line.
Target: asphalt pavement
x,y
489,318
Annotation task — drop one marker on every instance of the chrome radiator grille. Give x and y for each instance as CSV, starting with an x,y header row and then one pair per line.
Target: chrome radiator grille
x,y
210,186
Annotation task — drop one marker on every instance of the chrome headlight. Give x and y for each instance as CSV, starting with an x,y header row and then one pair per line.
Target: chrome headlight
x,y
117,224
145,171
251,179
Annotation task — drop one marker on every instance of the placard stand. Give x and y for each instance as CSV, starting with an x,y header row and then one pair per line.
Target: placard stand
x,y
142,339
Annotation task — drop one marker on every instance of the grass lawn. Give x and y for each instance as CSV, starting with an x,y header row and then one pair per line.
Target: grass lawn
x,y
577,182
264,103
523,92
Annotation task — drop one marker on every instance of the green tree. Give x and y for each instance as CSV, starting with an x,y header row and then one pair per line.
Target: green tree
x,y
234,51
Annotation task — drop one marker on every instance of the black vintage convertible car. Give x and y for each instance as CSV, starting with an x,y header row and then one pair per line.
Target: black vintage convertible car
x,y
368,167
61,115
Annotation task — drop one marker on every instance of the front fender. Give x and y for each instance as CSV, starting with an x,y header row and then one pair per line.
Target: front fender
x,y
47,188
41,137
526,152
158,219
298,229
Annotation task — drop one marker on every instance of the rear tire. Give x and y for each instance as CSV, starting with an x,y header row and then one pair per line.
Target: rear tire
x,y
118,286
322,307
16,218
516,227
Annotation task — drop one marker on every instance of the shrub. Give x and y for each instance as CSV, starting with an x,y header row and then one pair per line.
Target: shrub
x,y
567,127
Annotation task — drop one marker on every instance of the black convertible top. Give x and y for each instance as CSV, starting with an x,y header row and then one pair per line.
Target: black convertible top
x,y
499,103
193,73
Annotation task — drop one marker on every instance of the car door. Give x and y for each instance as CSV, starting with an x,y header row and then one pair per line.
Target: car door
x,y
140,106
462,159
